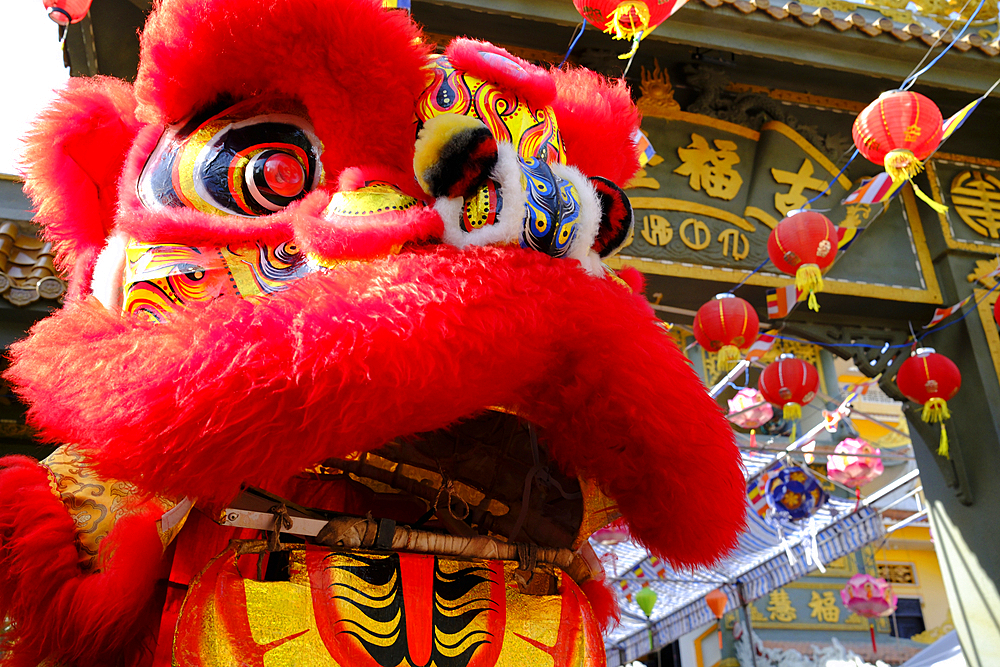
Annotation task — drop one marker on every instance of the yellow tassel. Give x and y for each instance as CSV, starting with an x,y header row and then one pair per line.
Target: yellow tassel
x,y
808,278
729,355
935,410
792,411
940,208
902,165
635,47
943,444
621,27
813,302
791,436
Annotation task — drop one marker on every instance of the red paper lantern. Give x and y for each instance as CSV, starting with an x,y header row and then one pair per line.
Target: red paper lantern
x,y
900,130
996,312
627,19
789,383
726,324
804,245
65,12
930,379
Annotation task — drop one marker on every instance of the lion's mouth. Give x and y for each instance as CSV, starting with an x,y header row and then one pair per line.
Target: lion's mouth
x,y
482,488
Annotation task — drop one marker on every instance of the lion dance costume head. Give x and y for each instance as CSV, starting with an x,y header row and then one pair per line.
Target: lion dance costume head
x,y
341,377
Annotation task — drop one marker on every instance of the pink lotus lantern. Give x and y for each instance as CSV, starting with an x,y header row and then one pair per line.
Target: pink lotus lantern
x,y
754,417
856,466
870,597
613,533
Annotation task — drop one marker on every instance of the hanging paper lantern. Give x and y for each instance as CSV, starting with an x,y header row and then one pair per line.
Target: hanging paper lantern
x,y
793,493
65,12
754,417
646,599
855,466
629,19
870,597
900,130
726,324
930,379
789,383
804,245
716,601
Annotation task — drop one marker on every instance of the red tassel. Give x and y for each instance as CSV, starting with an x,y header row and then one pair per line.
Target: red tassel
x,y
871,627
857,496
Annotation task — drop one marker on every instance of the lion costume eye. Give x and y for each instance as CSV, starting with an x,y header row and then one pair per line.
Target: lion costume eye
x,y
250,159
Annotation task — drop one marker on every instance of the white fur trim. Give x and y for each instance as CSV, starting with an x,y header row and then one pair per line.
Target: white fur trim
x,y
109,272
590,217
510,220
450,210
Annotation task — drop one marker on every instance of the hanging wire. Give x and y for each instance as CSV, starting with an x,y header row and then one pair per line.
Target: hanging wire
x,y
936,42
747,276
885,347
577,34
912,79
635,46
840,173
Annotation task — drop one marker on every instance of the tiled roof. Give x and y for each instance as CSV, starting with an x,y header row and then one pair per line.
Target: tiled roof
x,y
27,273
928,31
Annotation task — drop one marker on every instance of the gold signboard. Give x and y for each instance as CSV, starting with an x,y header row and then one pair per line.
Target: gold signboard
x,y
706,203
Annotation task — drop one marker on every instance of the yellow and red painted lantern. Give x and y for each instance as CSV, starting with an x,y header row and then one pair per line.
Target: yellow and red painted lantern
x,y
900,130
804,245
727,324
789,383
930,379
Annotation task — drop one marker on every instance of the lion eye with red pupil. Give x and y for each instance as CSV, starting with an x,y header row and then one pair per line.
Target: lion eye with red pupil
x,y
275,178
284,175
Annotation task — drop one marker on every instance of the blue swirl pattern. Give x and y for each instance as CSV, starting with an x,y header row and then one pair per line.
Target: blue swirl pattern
x,y
552,210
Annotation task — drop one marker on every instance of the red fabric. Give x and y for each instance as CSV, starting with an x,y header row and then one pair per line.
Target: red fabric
x,y
996,312
898,119
597,121
428,337
803,238
928,376
72,160
357,68
62,613
789,380
728,321
342,237
530,82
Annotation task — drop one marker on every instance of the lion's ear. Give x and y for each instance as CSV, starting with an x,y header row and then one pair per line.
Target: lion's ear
x,y
74,157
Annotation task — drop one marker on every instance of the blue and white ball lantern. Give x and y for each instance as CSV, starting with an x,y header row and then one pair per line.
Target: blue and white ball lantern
x,y
794,493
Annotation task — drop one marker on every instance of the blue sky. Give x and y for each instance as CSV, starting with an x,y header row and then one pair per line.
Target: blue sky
x,y
31,68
